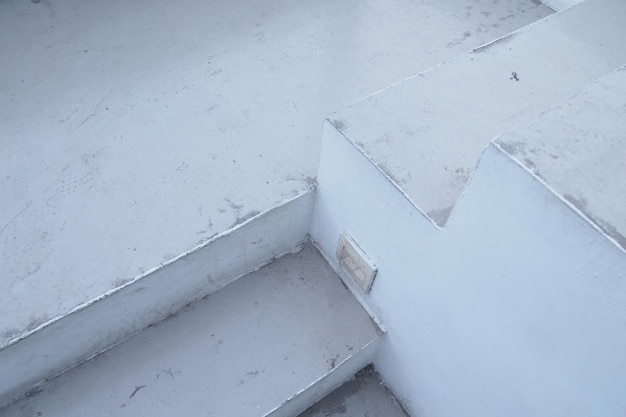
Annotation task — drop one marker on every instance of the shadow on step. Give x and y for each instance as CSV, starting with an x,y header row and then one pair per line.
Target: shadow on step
x,y
364,395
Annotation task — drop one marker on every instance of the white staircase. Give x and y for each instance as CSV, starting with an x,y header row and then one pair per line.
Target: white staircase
x,y
254,322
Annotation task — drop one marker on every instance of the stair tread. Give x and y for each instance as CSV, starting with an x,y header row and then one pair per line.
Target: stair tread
x,y
242,351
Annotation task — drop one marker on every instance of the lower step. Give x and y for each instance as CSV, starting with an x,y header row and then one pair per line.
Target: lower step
x,y
364,395
271,343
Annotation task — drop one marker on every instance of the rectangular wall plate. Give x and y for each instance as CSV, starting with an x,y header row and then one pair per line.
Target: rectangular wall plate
x,y
355,262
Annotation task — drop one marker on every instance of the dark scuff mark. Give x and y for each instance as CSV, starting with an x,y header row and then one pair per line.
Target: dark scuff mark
x,y
137,389
579,203
513,148
121,282
206,239
610,230
10,333
440,216
233,205
245,218
392,177
332,361
458,41
170,373
93,113
338,123
36,322
530,164
582,205
311,182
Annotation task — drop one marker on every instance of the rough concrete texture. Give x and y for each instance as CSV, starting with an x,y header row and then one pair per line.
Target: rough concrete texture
x,y
577,148
427,134
240,352
133,132
364,396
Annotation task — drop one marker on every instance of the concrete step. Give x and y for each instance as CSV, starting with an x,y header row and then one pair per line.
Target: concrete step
x,y
270,344
364,395
427,133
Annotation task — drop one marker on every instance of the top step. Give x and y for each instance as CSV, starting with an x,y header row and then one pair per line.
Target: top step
x,y
427,133
577,148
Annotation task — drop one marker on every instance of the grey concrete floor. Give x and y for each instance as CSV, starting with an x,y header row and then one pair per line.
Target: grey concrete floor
x,y
132,132
240,352
364,396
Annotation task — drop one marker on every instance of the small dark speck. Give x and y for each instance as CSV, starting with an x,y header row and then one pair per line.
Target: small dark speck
x,y
339,124
514,76
35,1
86,50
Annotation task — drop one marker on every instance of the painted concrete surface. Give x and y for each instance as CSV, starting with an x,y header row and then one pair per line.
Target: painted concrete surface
x,y
517,307
578,149
132,133
428,132
240,352
363,396
102,324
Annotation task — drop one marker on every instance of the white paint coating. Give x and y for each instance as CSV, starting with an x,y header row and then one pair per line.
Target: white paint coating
x,y
578,149
241,352
516,308
133,132
428,132
96,326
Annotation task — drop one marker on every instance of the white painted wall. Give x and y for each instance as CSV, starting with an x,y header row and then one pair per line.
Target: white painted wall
x,y
516,308
97,326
